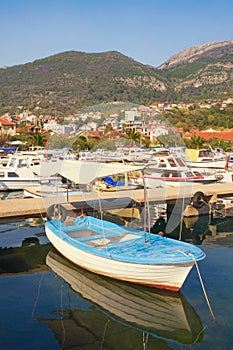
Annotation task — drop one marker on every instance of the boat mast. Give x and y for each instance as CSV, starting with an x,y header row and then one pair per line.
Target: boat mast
x,y
146,211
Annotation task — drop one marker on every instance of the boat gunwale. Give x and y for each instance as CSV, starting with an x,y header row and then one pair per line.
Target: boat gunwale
x,y
122,251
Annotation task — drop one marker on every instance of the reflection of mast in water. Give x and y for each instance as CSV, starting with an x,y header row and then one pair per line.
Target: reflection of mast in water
x,y
161,314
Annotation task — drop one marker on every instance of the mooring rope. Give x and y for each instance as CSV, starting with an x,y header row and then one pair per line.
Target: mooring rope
x,y
37,296
62,317
104,333
202,284
203,287
145,337
201,281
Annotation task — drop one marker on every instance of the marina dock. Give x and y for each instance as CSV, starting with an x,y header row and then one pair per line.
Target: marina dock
x,y
13,208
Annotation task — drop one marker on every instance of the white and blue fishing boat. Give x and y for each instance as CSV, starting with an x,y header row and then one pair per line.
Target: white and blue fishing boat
x,y
120,252
124,253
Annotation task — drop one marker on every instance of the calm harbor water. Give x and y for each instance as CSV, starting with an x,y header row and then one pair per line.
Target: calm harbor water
x,y
48,303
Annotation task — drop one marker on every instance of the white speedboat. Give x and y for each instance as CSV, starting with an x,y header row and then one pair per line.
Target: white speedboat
x,y
21,171
205,158
11,180
172,171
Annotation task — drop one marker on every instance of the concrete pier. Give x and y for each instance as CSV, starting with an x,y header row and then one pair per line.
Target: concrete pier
x,y
38,206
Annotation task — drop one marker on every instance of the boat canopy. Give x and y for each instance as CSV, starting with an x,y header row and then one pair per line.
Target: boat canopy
x,y
191,155
85,172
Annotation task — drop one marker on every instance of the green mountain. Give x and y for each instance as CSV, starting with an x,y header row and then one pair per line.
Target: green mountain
x,y
66,82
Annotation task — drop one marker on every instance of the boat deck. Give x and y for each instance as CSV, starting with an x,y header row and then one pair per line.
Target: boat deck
x,y
123,243
96,240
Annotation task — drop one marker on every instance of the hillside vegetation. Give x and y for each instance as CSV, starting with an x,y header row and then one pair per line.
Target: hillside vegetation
x,y
66,82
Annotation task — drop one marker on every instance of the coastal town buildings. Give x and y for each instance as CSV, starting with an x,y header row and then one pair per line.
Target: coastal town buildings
x,y
7,127
225,135
149,121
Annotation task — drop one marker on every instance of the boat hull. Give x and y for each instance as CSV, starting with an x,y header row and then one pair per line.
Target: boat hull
x,y
16,185
215,164
153,182
165,276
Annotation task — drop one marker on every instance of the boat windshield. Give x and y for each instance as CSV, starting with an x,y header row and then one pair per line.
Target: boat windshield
x,y
12,162
171,162
180,162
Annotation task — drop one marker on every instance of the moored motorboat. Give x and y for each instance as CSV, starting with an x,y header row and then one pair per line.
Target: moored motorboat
x,y
11,180
205,158
21,171
172,171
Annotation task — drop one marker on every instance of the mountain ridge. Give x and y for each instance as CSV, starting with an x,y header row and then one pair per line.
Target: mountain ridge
x,y
68,81
192,53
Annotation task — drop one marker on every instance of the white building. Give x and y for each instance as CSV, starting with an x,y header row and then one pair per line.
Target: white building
x,y
156,131
130,116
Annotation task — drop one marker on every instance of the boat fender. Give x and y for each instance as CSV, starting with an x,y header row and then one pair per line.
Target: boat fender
x,y
199,199
56,211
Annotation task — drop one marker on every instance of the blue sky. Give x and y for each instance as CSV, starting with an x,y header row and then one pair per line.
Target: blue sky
x,y
149,31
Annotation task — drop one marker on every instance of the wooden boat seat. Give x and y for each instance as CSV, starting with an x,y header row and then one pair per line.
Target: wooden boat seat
x,y
103,242
81,233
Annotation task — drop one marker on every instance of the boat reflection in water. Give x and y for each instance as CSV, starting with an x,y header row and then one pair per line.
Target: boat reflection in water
x,y
161,314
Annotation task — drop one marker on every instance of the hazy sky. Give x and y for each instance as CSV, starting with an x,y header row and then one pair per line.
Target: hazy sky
x,y
149,31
